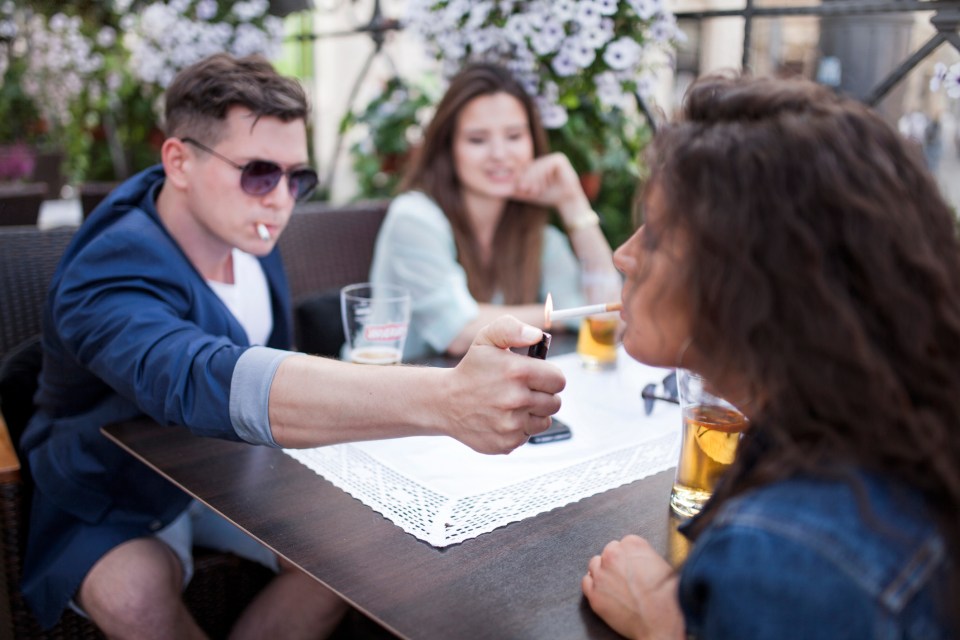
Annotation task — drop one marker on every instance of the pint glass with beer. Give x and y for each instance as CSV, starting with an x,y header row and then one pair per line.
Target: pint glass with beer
x,y
375,322
711,432
597,340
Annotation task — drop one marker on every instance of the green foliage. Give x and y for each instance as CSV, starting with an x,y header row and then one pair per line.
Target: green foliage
x,y
387,125
609,142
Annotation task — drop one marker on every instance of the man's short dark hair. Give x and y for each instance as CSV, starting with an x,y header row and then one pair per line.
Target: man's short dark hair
x,y
199,98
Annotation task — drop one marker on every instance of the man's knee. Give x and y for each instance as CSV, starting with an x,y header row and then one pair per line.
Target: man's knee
x,y
133,586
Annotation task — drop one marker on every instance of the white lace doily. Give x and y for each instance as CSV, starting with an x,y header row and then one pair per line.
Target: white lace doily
x,y
443,492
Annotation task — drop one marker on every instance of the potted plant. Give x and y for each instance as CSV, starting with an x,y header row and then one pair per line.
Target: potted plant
x,y
586,62
96,71
389,127
19,200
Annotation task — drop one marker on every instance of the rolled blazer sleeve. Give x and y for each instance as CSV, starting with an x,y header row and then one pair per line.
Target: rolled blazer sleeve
x,y
146,334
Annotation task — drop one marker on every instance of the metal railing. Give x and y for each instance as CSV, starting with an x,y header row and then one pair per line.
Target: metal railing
x,y
946,20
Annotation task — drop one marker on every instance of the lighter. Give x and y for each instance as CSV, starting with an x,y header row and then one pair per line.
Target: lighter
x,y
540,349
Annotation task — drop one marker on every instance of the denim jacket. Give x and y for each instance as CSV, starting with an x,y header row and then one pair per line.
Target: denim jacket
x,y
804,558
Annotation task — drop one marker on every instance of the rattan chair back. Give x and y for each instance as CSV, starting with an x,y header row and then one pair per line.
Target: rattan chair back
x,y
28,258
20,203
328,247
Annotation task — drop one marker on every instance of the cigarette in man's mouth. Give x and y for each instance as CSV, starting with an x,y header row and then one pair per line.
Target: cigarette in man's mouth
x,y
551,315
263,232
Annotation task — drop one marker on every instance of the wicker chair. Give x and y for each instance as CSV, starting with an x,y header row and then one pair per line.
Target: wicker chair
x,y
327,247
92,193
28,258
20,203
223,584
324,248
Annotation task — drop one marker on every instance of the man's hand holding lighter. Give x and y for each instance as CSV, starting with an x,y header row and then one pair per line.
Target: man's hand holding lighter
x,y
498,398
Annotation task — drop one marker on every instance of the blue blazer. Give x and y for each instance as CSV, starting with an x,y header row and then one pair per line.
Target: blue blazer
x,y
129,328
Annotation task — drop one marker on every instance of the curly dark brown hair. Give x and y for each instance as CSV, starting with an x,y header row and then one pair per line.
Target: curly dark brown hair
x,y
825,272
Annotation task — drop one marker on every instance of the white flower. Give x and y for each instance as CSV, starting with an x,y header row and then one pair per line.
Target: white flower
x,y
456,10
478,15
518,28
106,37
664,29
452,46
609,90
550,92
481,41
250,10
939,75
552,115
582,55
156,20
646,9
58,23
563,65
167,37
114,81
622,53
607,7
529,82
646,84
596,37
563,9
206,9
588,13
549,38
952,81
552,47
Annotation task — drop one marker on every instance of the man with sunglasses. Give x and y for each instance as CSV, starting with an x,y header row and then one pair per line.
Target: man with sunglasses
x,y
171,302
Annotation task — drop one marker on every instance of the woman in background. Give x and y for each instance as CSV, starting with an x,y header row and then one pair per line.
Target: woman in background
x,y
469,236
799,256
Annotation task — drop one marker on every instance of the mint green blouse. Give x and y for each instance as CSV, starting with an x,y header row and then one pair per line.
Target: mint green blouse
x,y
415,249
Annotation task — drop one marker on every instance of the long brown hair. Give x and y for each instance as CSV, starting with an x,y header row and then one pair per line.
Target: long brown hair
x,y
825,271
518,240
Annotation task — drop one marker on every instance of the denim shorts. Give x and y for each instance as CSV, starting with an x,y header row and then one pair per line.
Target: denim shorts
x,y
198,525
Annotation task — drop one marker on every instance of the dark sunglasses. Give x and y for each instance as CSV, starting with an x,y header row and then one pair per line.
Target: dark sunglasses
x,y
260,177
670,394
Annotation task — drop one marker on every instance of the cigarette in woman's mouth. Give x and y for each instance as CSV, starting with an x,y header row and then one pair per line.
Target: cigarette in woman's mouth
x,y
263,232
551,315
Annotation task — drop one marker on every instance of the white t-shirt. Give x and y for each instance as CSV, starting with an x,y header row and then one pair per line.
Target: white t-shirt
x,y
248,298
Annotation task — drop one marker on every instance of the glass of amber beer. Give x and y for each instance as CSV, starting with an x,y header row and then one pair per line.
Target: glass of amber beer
x,y
597,340
711,432
375,322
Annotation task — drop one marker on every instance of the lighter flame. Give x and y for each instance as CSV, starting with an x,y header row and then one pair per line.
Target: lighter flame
x,y
547,310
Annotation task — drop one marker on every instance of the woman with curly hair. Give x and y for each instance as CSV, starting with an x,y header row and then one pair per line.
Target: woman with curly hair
x,y
798,255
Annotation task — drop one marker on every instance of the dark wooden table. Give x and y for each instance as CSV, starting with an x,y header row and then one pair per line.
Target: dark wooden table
x,y
519,581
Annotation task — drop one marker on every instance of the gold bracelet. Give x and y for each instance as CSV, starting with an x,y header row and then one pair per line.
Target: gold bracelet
x,y
589,219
